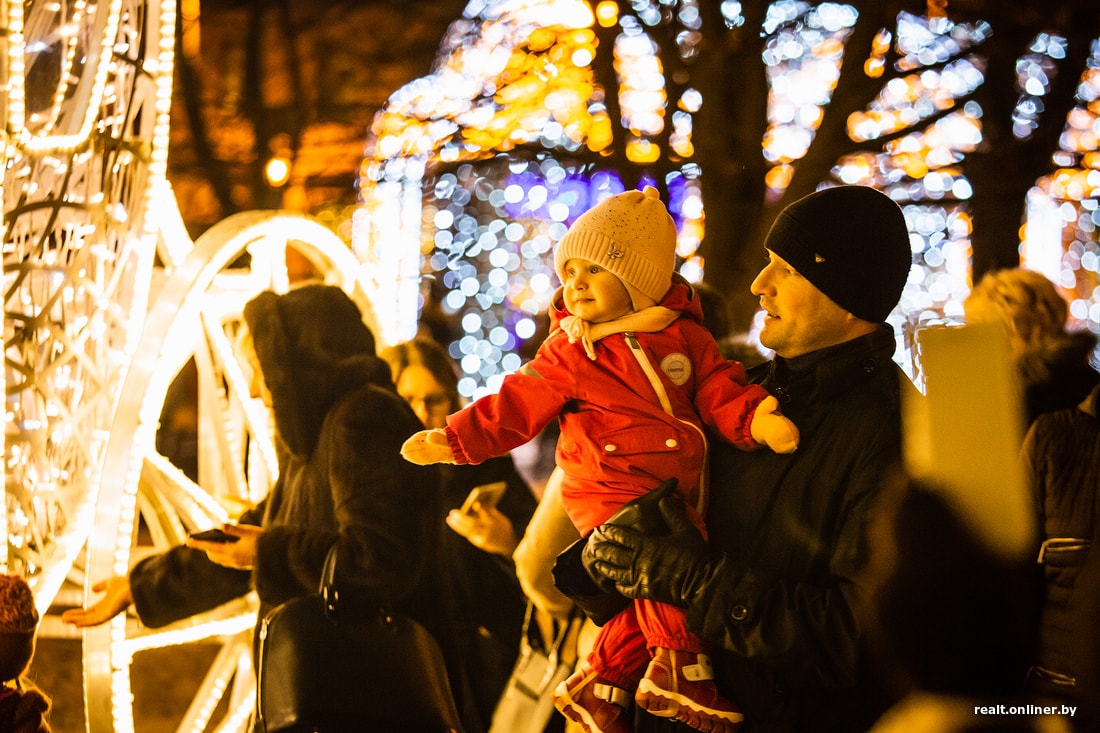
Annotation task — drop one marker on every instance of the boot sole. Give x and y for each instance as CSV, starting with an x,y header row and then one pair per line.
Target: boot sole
x,y
571,709
647,690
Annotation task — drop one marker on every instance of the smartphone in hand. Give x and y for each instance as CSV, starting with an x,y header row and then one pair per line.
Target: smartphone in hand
x,y
214,535
487,495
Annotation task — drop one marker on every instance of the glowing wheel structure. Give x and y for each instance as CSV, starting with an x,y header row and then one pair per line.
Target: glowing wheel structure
x,y
146,503
95,335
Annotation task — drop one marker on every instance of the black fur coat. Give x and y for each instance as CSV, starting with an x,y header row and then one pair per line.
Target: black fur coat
x,y
340,426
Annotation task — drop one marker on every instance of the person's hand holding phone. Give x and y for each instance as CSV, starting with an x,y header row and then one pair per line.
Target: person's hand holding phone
x,y
482,524
233,546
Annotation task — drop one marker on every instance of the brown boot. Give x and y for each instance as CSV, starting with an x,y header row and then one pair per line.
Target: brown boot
x,y
681,685
592,701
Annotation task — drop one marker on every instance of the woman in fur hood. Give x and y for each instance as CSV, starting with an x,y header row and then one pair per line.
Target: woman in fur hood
x,y
339,428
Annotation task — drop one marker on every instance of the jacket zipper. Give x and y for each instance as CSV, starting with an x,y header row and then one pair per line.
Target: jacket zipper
x,y
662,396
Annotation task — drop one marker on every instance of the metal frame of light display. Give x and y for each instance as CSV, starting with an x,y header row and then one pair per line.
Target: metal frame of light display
x,y
88,89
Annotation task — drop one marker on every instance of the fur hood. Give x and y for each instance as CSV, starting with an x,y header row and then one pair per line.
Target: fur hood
x,y
314,349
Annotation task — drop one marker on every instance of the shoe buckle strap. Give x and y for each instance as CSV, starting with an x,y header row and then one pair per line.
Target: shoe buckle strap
x,y
612,694
698,672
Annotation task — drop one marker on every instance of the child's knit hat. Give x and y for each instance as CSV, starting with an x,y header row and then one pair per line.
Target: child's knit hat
x,y
18,620
632,236
852,243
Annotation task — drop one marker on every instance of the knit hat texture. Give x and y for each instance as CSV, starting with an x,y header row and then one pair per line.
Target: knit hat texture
x,y
632,236
852,243
18,620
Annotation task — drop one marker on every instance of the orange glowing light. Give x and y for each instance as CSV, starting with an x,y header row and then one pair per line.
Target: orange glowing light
x,y
277,171
607,13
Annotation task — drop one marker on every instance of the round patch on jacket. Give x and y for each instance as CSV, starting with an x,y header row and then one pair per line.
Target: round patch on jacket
x,y
677,367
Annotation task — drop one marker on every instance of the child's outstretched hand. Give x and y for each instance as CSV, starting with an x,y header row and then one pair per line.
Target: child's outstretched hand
x,y
426,447
770,428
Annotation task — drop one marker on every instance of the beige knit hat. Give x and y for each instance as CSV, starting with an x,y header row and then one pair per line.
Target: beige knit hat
x,y
632,236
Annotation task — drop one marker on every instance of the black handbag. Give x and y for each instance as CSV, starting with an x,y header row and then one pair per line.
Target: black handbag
x,y
325,666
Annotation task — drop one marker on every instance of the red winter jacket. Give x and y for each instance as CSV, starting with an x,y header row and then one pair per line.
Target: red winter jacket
x,y
617,442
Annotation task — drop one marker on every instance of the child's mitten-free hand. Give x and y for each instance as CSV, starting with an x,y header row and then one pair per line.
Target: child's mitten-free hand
x,y
426,447
772,429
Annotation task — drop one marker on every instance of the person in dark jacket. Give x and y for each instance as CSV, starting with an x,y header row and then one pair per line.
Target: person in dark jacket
x,y
1053,364
775,587
339,426
489,605
1062,458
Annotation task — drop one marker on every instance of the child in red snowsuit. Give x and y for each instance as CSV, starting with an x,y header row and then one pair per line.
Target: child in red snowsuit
x,y
636,382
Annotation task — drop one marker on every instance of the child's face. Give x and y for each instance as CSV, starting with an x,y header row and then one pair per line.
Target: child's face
x,y
593,293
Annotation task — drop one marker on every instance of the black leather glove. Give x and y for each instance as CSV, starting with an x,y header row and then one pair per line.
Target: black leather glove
x,y
649,549
595,594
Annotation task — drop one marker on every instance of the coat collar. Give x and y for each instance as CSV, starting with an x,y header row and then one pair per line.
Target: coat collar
x,y
826,372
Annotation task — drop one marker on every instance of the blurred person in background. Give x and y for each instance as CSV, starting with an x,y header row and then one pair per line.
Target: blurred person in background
x,y
1054,364
489,604
950,617
1062,461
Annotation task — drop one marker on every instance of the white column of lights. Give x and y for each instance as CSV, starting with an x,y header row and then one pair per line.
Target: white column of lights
x,y
15,100
163,216
386,234
173,241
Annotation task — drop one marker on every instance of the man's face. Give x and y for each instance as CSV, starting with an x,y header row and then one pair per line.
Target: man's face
x,y
799,318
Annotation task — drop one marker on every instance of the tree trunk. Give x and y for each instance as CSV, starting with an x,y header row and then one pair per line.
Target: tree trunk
x,y
729,132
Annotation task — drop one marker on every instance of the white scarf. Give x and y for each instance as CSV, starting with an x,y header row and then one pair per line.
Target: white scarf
x,y
647,320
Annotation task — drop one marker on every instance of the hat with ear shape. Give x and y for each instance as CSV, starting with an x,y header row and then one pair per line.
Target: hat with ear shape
x,y
632,236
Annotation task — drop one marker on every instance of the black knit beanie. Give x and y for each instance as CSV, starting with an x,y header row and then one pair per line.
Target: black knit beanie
x,y
852,243
18,620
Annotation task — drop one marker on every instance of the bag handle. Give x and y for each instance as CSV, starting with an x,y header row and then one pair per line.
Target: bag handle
x,y
553,649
